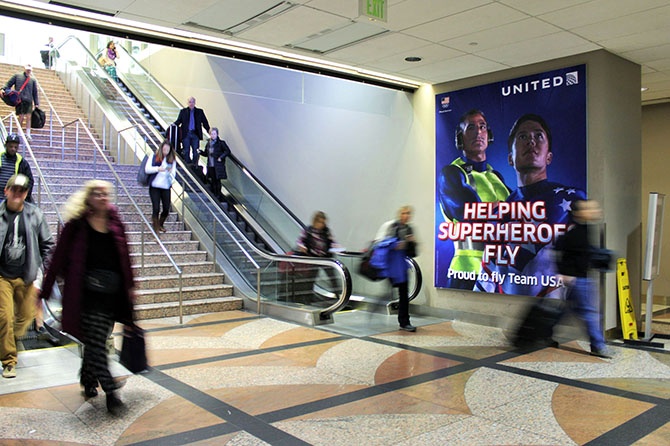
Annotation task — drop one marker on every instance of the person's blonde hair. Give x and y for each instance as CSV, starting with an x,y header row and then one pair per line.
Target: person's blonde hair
x,y
77,205
404,208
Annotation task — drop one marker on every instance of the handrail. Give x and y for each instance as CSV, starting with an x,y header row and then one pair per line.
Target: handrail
x,y
341,269
12,116
250,247
418,276
132,200
233,159
59,224
52,112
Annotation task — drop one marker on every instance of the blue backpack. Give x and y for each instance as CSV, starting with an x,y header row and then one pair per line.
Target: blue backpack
x,y
375,263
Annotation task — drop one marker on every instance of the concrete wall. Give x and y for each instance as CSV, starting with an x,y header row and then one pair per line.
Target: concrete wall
x,y
655,178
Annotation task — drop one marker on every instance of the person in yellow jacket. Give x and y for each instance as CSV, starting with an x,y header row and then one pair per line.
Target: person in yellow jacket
x,y
469,178
11,163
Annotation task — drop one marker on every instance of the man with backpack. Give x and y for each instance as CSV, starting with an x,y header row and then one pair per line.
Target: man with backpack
x,y
26,86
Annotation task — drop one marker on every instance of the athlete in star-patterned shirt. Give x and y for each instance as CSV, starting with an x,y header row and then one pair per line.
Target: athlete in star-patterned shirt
x,y
530,153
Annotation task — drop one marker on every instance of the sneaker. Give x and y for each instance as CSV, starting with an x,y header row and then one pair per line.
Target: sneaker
x,y
600,353
408,327
9,371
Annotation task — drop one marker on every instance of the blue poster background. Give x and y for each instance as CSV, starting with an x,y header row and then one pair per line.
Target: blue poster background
x,y
559,96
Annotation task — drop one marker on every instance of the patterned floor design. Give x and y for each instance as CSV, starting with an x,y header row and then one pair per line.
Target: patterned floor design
x,y
238,379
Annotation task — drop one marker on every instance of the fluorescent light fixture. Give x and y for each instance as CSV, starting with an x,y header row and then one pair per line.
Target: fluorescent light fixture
x,y
94,20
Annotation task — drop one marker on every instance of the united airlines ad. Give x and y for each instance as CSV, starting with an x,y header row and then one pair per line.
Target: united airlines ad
x,y
510,161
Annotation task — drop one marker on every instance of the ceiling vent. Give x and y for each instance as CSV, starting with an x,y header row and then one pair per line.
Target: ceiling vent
x,y
334,39
256,20
81,8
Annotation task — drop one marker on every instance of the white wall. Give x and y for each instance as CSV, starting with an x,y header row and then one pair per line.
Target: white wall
x,y
354,151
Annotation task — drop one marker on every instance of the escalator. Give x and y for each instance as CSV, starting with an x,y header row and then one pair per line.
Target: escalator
x,y
249,233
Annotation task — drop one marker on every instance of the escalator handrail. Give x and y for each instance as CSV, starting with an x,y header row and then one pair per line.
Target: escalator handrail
x,y
418,275
232,158
342,270
314,261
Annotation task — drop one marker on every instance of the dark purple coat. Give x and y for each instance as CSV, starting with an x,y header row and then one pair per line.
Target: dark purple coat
x,y
69,263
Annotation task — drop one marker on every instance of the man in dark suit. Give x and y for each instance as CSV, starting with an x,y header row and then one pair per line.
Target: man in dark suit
x,y
191,120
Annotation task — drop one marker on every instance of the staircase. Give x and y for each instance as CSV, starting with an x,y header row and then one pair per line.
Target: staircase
x,y
66,169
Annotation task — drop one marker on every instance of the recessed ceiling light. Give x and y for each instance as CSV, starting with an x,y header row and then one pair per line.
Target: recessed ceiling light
x,y
644,88
412,59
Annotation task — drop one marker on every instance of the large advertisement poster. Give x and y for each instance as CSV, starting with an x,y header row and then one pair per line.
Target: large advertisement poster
x,y
510,160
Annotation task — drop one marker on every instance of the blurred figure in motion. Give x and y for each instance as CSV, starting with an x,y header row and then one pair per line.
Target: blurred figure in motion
x,y
575,254
26,242
92,258
405,246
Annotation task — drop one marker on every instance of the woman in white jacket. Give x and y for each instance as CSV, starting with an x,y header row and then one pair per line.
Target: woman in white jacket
x,y
163,168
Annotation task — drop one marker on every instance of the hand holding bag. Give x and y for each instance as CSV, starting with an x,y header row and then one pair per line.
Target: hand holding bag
x,y
133,350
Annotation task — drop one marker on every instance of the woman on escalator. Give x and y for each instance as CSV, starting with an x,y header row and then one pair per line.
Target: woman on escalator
x,y
163,167
216,152
316,240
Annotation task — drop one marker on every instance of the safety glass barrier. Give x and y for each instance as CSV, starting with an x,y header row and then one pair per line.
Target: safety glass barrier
x,y
318,284
259,203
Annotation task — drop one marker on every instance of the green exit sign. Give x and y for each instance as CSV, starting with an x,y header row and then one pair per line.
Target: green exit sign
x,y
374,9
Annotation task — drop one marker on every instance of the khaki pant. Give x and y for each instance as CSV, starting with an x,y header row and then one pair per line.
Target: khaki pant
x,y
17,310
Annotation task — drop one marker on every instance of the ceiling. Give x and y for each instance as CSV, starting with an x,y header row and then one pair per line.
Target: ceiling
x,y
453,39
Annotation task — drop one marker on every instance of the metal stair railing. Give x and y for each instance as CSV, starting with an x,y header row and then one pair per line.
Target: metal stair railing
x,y
249,246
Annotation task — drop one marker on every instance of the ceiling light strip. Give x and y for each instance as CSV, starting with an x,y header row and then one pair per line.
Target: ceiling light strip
x,y
52,13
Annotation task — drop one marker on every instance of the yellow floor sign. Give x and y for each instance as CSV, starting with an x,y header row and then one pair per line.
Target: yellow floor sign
x,y
626,311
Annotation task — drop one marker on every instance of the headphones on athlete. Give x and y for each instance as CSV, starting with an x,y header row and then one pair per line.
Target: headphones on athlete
x,y
458,137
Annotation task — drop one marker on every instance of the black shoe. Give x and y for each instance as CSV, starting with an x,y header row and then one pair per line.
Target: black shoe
x,y
114,404
549,342
90,391
408,327
600,353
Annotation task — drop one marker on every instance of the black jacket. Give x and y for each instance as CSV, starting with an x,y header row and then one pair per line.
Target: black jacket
x,y
199,118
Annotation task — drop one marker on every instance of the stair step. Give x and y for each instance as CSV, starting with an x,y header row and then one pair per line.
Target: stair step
x,y
163,295
171,309
67,162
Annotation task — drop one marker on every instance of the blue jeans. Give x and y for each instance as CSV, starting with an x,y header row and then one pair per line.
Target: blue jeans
x,y
191,144
584,301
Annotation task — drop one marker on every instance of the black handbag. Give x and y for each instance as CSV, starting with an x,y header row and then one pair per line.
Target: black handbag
x,y
37,118
133,349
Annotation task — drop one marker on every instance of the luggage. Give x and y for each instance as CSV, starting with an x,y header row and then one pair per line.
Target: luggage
x,y
143,178
37,119
12,98
539,323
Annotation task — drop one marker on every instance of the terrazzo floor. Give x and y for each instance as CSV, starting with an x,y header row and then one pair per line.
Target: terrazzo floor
x,y
235,378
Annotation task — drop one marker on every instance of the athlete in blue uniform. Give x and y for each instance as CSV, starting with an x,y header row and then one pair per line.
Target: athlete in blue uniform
x,y
530,153
469,178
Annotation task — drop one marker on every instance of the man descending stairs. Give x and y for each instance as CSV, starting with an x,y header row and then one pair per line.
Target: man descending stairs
x,y
66,168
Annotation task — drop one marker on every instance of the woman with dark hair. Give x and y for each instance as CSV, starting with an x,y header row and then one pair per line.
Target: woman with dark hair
x,y
316,240
92,258
163,167
216,152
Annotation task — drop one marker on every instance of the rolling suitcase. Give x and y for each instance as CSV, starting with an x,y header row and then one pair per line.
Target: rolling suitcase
x,y
539,323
